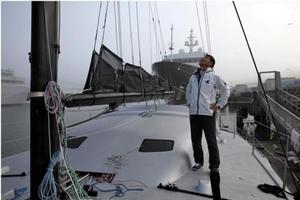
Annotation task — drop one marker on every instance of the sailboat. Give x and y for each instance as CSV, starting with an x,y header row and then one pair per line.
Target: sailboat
x,y
134,151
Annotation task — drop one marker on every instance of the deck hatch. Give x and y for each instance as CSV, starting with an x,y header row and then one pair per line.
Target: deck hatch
x,y
156,145
74,143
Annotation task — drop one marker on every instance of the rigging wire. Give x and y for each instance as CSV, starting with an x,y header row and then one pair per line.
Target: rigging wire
x,y
155,33
96,35
104,23
199,24
150,32
57,46
105,111
47,41
207,19
138,31
130,27
207,27
119,28
160,30
266,98
116,28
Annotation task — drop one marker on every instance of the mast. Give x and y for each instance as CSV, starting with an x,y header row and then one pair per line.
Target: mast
x,y
41,73
171,45
190,43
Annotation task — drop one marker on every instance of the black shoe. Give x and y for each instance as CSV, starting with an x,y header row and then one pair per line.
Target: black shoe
x,y
196,166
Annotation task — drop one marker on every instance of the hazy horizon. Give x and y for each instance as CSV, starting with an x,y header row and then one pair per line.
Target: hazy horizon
x,y
273,29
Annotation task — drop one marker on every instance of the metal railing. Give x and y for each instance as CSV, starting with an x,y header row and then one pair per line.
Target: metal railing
x,y
227,121
286,118
291,102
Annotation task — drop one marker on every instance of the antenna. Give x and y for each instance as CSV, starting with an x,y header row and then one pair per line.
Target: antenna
x,y
171,45
190,43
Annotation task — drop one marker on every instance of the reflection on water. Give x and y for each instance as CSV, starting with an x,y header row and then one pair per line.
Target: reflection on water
x,y
15,125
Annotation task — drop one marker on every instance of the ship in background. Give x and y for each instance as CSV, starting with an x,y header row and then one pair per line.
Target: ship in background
x,y
13,89
178,67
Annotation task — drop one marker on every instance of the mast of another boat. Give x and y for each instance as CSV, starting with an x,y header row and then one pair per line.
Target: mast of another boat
x,y
171,45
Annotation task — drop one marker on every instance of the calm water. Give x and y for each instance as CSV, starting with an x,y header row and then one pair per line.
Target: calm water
x,y
15,125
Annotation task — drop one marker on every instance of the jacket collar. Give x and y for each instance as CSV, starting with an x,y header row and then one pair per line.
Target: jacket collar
x,y
209,69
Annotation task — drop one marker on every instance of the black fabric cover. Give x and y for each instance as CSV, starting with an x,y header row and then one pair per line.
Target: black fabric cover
x,y
103,74
106,74
147,81
90,74
132,79
165,84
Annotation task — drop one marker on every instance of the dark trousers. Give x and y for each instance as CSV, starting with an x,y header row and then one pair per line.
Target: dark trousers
x,y
208,124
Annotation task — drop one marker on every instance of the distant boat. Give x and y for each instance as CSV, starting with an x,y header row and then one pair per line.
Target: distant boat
x,y
177,68
13,89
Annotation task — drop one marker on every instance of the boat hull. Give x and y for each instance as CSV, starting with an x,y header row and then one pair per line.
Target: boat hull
x,y
177,74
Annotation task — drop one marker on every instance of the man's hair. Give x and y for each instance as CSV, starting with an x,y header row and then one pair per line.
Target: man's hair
x,y
212,59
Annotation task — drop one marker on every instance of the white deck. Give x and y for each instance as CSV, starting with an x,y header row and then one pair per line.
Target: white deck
x,y
123,131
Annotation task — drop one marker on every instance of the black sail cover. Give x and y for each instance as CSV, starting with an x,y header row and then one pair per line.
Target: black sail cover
x,y
93,63
103,71
132,80
106,75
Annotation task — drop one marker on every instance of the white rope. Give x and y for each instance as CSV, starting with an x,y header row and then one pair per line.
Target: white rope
x,y
116,160
53,98
47,189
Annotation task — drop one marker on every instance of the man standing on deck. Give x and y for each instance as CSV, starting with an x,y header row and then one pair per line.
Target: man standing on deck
x,y
201,100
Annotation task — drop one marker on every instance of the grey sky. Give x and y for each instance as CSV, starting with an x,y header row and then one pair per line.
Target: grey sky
x,y
273,29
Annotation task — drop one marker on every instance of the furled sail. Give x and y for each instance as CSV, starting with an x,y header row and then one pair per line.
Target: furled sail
x,y
109,80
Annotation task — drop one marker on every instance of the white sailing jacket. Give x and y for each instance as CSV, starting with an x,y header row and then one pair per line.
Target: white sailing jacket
x,y
200,94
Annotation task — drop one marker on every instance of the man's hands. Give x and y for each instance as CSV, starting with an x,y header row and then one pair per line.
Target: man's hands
x,y
214,107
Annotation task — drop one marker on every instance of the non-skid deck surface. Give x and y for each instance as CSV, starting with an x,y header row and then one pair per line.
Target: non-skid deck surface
x,y
240,174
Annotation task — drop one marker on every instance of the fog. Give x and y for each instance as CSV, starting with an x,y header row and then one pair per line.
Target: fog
x,y
273,29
